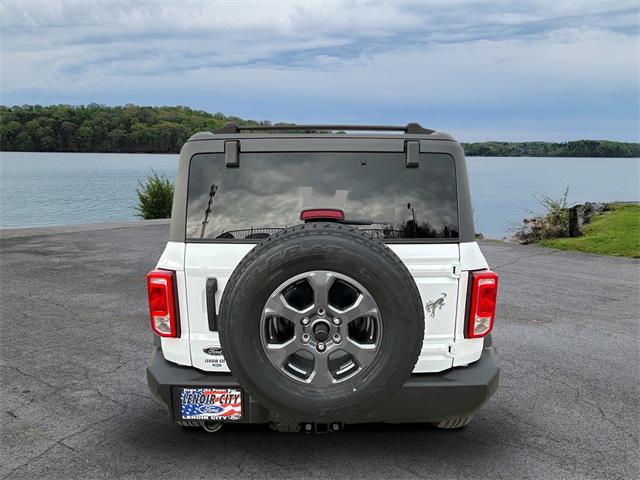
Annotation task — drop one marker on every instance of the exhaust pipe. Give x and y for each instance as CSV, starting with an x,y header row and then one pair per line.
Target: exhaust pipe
x,y
211,427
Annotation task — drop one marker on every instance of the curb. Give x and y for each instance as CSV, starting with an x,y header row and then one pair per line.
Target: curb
x,y
87,227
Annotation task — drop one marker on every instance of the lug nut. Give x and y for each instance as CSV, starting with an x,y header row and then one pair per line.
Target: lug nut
x,y
305,321
337,338
305,338
321,312
337,321
321,347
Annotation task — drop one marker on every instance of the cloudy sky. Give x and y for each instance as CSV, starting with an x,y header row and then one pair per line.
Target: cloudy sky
x,y
504,70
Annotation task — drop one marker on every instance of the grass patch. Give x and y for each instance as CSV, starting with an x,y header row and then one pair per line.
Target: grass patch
x,y
616,232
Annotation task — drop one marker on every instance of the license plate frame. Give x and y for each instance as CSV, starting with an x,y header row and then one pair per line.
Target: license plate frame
x,y
220,404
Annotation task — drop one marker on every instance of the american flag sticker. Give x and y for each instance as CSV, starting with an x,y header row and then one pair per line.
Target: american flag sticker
x,y
211,404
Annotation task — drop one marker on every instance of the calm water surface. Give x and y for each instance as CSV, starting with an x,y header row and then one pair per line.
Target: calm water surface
x,y
38,189
67,188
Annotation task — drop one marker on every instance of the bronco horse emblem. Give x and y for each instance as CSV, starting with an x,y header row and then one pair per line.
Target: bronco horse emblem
x,y
434,305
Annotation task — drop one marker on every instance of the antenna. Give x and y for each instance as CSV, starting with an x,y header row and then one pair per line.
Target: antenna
x,y
207,212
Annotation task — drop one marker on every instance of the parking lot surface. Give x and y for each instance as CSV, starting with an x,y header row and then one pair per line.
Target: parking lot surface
x,y
75,342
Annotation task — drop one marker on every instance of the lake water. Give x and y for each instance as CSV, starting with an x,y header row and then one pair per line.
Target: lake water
x,y
38,189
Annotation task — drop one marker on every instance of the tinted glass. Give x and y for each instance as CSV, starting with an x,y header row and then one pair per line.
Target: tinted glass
x,y
268,192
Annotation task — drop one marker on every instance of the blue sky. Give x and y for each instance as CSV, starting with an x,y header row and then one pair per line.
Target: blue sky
x,y
481,70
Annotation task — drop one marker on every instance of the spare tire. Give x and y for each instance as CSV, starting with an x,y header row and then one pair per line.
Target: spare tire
x,y
321,321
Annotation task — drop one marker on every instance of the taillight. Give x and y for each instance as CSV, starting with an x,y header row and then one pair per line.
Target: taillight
x,y
162,303
322,214
483,294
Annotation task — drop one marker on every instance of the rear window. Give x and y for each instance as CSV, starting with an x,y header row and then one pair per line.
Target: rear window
x,y
268,192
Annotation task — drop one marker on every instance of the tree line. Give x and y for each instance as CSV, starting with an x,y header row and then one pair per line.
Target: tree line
x,y
137,129
577,148
99,128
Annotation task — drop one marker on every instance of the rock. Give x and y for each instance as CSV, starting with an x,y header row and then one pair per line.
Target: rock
x,y
588,210
544,226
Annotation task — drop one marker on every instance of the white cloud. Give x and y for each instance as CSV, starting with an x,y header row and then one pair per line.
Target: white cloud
x,y
328,60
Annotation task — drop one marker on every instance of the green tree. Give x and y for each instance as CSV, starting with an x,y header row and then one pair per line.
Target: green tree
x,y
138,129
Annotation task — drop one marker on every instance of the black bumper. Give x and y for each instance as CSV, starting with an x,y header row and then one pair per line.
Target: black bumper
x,y
425,397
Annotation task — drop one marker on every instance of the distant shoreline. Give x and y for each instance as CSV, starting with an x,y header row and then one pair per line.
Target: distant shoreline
x,y
572,149
468,155
136,129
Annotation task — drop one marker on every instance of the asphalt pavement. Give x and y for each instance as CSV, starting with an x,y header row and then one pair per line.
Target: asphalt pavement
x,y
74,343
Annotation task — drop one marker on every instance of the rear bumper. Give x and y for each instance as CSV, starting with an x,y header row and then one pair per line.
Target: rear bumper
x,y
426,397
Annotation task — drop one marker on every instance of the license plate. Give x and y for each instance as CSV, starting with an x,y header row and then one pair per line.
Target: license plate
x,y
211,404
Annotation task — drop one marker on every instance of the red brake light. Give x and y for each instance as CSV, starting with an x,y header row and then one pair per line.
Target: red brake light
x,y
162,303
483,294
322,214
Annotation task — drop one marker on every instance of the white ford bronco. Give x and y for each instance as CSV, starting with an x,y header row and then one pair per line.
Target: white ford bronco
x,y
318,279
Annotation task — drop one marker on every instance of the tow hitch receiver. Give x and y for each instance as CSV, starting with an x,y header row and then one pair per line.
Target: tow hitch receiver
x,y
333,427
308,427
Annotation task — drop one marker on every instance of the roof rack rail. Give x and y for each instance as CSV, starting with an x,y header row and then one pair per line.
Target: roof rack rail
x,y
410,128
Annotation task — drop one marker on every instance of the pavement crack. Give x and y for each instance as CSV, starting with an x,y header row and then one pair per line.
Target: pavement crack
x,y
53,347
579,398
58,442
11,367
524,257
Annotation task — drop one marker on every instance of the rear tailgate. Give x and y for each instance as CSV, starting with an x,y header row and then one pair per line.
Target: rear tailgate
x,y
434,267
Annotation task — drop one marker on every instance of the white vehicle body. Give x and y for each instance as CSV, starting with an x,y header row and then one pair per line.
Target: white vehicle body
x,y
440,272
313,279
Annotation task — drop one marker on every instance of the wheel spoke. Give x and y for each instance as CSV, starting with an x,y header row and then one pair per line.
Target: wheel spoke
x,y
277,306
322,376
278,353
363,353
363,307
320,283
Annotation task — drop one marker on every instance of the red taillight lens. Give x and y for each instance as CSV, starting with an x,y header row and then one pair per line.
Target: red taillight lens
x,y
322,214
162,303
483,290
